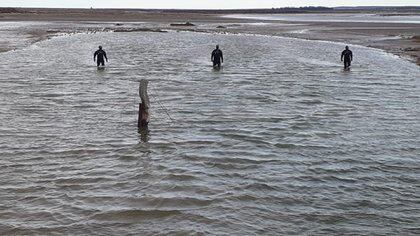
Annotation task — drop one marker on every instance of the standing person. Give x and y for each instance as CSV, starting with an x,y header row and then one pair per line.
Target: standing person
x,y
99,57
348,57
217,57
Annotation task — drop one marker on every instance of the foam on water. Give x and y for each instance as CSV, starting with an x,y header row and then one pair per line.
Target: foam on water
x,y
280,141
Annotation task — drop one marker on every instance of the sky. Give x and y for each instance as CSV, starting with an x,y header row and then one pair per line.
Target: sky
x,y
200,4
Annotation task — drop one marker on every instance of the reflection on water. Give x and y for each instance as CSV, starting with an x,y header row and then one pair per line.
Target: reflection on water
x,y
144,135
279,141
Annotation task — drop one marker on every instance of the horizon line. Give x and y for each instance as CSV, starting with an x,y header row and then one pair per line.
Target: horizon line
x,y
215,9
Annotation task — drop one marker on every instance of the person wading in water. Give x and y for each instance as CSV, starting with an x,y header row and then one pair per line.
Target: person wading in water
x,y
99,57
217,57
348,57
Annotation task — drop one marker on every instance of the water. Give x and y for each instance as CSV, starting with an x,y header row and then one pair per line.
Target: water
x,y
362,18
12,36
281,141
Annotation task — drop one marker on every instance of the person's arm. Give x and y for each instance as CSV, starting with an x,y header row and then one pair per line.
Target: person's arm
x,y
351,56
221,55
342,55
94,56
212,56
106,58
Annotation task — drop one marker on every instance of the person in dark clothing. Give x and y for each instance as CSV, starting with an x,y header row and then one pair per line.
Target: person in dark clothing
x,y
217,57
99,57
347,55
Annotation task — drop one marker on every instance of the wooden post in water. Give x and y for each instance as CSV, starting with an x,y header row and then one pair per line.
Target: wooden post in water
x,y
143,106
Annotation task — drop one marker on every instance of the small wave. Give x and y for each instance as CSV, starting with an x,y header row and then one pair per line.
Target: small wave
x,y
181,177
135,215
260,187
299,146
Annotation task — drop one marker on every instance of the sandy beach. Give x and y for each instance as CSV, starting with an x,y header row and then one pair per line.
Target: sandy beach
x,y
397,38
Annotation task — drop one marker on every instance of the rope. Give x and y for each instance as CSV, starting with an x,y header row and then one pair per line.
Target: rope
x,y
161,105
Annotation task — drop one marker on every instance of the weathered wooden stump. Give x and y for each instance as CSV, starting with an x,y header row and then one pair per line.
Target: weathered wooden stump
x,y
144,106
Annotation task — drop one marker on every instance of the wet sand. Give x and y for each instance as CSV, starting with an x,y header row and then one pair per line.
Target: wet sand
x,y
397,38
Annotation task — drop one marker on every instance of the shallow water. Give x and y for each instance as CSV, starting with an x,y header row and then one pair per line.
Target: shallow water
x,y
281,141
12,34
366,18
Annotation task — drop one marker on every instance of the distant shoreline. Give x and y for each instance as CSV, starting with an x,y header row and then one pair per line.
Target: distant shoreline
x,y
287,10
399,39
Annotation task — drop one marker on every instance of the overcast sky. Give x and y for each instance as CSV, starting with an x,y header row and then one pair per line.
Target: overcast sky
x,y
203,4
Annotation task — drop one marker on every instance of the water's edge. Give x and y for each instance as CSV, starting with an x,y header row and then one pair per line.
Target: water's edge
x,y
69,32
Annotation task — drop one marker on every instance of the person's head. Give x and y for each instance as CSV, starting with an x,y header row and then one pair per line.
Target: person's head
x,y
100,47
217,46
347,47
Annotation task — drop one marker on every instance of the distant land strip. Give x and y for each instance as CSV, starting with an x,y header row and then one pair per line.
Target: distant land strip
x,y
285,10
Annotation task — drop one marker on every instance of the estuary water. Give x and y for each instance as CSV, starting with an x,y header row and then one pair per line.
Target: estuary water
x,y
280,141
341,17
